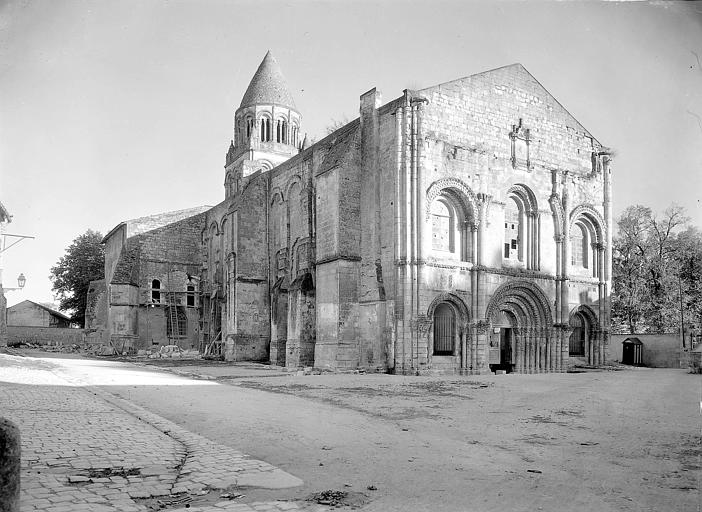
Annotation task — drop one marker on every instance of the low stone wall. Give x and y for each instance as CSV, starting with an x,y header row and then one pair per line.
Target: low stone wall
x,y
44,335
659,350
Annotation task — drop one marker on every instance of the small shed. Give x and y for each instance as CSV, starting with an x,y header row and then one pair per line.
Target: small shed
x,y
632,351
33,314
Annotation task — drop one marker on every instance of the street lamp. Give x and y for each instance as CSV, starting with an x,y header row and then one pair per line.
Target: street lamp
x,y
21,281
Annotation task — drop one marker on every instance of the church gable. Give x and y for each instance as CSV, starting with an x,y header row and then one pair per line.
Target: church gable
x,y
508,114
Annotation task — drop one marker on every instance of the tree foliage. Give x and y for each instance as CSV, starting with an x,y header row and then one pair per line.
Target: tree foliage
x,y
83,262
335,124
657,262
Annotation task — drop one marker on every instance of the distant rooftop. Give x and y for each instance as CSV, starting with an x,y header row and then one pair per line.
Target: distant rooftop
x,y
46,308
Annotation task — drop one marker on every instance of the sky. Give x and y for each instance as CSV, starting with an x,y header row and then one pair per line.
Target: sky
x,y
112,110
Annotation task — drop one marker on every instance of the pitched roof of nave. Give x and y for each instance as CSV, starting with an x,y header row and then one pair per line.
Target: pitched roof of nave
x,y
513,74
150,222
268,86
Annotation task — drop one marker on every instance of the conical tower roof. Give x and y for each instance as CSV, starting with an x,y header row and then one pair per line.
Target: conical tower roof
x,y
268,86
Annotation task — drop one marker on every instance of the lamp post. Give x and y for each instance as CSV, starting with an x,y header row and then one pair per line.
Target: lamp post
x,y
21,281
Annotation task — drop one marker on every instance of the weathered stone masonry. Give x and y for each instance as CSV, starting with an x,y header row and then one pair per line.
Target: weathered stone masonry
x,y
465,227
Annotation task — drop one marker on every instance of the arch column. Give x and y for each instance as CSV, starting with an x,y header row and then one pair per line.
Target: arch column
x,y
474,243
567,331
537,350
473,347
481,345
537,241
527,242
518,358
543,347
483,199
464,348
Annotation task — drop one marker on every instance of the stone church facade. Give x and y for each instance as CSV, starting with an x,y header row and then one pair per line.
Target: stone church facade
x,y
461,227
464,227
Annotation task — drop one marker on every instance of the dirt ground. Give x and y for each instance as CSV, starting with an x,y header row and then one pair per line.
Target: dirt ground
x,y
607,440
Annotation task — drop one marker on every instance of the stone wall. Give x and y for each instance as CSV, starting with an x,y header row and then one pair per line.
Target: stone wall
x,y
170,254
659,350
3,318
331,258
45,335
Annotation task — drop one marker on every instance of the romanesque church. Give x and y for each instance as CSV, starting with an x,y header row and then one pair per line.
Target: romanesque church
x,y
465,227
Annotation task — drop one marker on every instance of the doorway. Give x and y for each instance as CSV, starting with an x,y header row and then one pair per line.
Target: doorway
x,y
506,348
502,342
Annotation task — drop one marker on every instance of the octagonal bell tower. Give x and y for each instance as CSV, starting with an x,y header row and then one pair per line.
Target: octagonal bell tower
x,y
266,126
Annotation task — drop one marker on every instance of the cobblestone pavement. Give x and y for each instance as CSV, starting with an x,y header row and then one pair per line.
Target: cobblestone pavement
x,y
84,449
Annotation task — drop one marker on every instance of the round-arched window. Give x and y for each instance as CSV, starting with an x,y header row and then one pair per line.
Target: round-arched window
x,y
444,330
442,222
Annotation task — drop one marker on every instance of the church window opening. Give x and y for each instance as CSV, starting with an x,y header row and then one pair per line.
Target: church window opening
x,y
265,129
249,127
156,291
444,330
512,231
579,247
522,228
190,296
442,226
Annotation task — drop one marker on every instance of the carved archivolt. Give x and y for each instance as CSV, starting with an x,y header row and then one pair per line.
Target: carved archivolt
x,y
527,197
587,312
459,190
455,301
590,213
526,296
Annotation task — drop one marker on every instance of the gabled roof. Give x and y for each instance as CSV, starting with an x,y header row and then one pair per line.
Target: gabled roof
x,y
150,222
523,74
46,308
633,341
340,144
268,86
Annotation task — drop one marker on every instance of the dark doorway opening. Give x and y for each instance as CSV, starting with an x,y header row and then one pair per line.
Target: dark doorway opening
x,y
502,343
506,348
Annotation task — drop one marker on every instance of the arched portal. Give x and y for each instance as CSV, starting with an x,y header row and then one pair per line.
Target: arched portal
x,y
447,336
444,330
578,337
584,338
520,333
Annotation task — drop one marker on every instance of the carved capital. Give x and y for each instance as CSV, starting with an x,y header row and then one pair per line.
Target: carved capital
x,y
481,327
421,325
